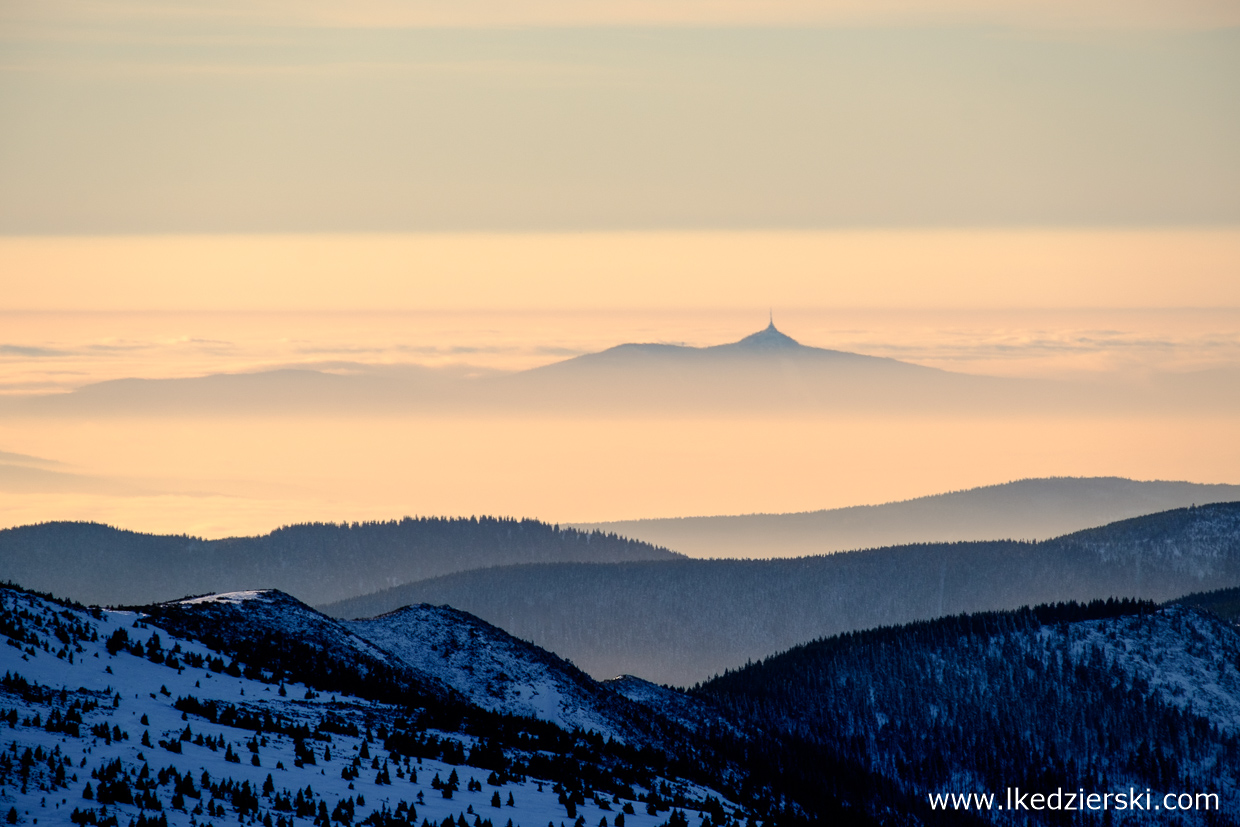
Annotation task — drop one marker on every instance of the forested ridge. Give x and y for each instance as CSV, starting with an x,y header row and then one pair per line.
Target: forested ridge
x,y
680,621
1102,697
317,562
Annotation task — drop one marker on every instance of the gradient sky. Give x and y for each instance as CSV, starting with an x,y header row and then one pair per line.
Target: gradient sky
x,y
274,116
1023,188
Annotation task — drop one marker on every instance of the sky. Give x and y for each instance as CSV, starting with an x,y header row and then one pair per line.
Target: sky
x,y
274,117
1033,189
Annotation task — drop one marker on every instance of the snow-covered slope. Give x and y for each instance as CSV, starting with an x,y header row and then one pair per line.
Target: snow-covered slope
x,y
422,652
111,721
278,630
694,712
1188,658
496,671
1102,697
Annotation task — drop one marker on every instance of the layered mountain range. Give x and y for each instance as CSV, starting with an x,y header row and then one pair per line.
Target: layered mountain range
x,y
879,686
323,563
681,621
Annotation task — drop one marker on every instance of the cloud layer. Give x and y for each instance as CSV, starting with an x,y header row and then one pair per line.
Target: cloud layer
x,y
492,13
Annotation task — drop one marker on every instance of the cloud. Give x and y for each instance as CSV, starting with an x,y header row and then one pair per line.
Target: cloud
x,y
24,479
441,350
25,459
1123,14
27,351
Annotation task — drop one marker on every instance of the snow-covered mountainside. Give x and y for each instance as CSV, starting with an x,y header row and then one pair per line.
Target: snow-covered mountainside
x,y
110,720
494,670
250,707
693,712
284,634
1186,658
1107,697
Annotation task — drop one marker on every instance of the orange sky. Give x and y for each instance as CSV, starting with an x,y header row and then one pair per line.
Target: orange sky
x,y
1040,303
1137,268
1025,188
220,478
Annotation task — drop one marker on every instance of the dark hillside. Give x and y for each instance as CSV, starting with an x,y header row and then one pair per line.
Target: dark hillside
x,y
681,621
317,562
1223,602
1106,697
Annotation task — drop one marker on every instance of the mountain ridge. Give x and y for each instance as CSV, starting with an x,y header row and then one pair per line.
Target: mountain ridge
x,y
767,344
680,621
317,562
1025,509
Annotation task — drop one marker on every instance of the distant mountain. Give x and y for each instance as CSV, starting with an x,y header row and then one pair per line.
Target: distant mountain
x,y
318,562
334,389
1106,699
1030,509
767,371
764,348
681,621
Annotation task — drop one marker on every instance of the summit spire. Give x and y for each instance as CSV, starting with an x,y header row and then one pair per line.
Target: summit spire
x,y
770,337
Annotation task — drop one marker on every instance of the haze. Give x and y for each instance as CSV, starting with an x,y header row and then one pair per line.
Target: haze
x,y
1040,191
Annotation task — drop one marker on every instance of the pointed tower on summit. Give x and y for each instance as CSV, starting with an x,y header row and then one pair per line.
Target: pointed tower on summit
x,y
769,338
